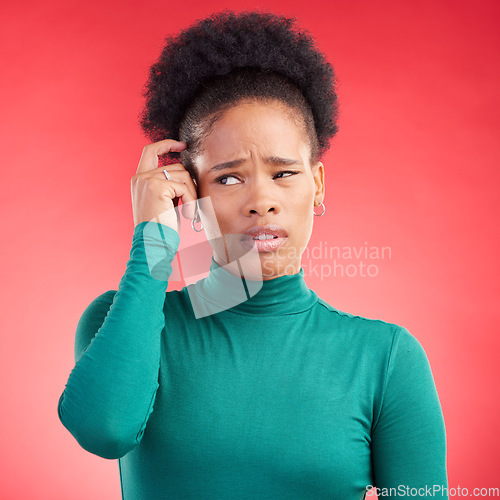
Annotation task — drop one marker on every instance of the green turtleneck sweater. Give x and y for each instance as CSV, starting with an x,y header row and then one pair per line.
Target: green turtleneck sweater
x,y
280,396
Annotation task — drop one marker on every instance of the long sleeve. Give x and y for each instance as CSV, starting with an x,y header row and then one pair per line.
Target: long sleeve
x,y
111,390
408,438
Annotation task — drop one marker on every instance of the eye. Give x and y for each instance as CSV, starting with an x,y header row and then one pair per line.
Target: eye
x,y
225,177
222,178
291,172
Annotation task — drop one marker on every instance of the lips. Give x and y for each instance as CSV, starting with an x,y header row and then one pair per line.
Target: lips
x,y
269,229
266,238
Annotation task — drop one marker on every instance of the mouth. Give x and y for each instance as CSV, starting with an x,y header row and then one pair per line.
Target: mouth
x,y
268,245
266,238
262,237
266,231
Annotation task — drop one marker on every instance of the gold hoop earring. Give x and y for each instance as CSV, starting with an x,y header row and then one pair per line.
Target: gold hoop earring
x,y
324,209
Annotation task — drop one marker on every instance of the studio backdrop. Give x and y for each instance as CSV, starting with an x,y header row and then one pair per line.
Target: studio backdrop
x,y
410,233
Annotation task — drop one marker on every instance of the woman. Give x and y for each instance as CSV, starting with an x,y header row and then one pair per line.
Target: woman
x,y
245,384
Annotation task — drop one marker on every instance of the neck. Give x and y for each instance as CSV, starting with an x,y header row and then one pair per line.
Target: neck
x,y
235,269
223,291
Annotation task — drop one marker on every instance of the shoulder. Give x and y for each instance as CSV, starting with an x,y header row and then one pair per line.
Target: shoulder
x,y
91,320
98,305
377,335
376,328
104,298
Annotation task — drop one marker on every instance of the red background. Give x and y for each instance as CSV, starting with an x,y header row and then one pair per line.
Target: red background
x,y
414,167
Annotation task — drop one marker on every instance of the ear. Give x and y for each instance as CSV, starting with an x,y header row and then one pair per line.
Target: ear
x,y
318,171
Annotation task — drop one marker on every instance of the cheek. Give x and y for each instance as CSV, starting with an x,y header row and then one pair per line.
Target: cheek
x,y
228,215
301,211
303,199
216,214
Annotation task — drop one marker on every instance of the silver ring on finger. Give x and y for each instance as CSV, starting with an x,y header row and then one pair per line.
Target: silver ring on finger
x,y
167,175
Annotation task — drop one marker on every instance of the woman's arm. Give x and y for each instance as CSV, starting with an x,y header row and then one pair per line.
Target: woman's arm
x,y
111,390
408,437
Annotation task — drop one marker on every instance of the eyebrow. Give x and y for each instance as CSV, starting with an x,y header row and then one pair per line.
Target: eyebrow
x,y
274,160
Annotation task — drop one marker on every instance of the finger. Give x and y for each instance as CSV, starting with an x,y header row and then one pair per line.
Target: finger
x,y
179,189
180,174
188,202
150,153
183,176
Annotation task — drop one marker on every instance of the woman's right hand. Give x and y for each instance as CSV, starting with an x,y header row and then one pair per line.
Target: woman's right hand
x,y
153,194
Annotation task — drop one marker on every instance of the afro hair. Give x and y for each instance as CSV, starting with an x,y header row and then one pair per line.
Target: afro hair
x,y
228,56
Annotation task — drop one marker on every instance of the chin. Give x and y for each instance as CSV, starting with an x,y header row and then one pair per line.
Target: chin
x,y
273,267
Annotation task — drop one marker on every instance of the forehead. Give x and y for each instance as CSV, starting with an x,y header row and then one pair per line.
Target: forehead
x,y
255,128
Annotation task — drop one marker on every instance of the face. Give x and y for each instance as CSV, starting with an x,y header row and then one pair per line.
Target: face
x,y
255,170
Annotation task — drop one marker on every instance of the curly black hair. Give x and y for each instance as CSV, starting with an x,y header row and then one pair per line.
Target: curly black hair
x,y
227,57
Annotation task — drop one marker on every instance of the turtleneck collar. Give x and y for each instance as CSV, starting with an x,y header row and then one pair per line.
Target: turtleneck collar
x,y
223,291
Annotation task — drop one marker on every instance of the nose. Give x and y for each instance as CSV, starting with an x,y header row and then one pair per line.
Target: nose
x,y
261,196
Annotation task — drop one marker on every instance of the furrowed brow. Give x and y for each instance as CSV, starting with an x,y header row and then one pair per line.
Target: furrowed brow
x,y
275,160
282,161
226,165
